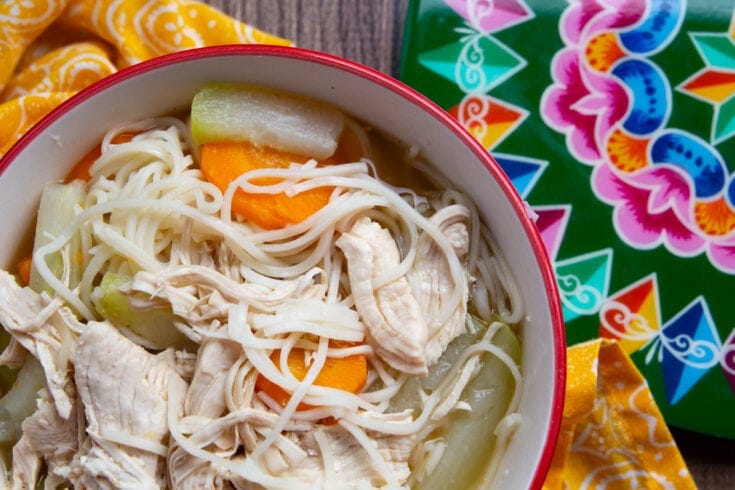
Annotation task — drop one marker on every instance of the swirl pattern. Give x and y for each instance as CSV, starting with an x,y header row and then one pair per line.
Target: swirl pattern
x,y
639,161
50,49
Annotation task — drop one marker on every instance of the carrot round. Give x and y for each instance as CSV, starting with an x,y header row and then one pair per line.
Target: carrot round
x,y
223,162
24,270
343,373
349,149
80,170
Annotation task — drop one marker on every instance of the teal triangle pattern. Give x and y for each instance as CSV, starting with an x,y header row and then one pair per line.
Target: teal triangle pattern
x,y
724,126
717,50
497,62
583,283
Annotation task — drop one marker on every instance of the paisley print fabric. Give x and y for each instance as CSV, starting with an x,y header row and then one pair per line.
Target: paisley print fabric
x,y
50,49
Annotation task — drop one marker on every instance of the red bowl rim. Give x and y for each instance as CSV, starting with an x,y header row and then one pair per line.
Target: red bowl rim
x,y
394,85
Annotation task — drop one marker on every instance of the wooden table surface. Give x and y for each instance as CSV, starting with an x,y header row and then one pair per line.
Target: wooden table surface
x,y
370,31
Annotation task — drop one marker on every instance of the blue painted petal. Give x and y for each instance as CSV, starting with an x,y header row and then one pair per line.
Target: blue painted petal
x,y
523,172
660,26
731,192
650,95
698,159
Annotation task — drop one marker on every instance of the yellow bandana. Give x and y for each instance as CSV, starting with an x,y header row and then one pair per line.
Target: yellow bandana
x,y
50,49
612,435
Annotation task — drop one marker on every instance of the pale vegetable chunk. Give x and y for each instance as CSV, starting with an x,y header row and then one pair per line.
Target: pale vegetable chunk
x,y
153,322
263,117
58,207
470,435
20,401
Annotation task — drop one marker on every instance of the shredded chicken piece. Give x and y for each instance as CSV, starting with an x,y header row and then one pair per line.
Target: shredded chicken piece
x,y
206,395
165,284
26,465
205,401
431,281
124,390
350,467
395,325
55,439
14,355
44,328
185,363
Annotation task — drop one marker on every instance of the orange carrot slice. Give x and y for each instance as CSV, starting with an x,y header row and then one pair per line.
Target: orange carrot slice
x,y
349,148
344,373
80,170
24,270
223,162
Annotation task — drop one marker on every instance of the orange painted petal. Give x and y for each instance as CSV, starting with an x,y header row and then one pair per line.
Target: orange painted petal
x,y
715,218
626,152
603,50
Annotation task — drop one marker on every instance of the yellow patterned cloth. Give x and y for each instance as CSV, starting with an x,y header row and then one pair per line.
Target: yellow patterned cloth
x,y
50,49
612,436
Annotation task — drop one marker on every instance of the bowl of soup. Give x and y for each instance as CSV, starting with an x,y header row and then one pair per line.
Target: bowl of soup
x,y
267,266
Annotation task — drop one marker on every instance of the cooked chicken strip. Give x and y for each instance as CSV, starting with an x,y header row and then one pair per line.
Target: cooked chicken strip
x,y
206,395
348,465
431,280
55,439
14,355
124,390
44,328
395,325
26,465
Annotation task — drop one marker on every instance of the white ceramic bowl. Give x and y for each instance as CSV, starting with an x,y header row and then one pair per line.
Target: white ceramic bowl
x,y
167,84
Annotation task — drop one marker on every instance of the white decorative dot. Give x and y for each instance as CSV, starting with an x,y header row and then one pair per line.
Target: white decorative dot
x,y
211,24
170,27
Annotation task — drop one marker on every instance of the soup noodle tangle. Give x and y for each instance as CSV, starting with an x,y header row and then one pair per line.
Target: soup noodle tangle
x,y
236,304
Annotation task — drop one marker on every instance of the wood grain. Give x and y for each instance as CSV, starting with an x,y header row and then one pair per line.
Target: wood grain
x,y
370,32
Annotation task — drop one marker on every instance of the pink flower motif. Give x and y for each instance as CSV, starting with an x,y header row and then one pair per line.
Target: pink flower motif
x,y
491,15
669,189
582,104
723,257
647,212
574,20
589,17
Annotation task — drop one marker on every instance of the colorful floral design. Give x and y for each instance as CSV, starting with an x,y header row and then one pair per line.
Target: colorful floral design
x,y
624,160
668,187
